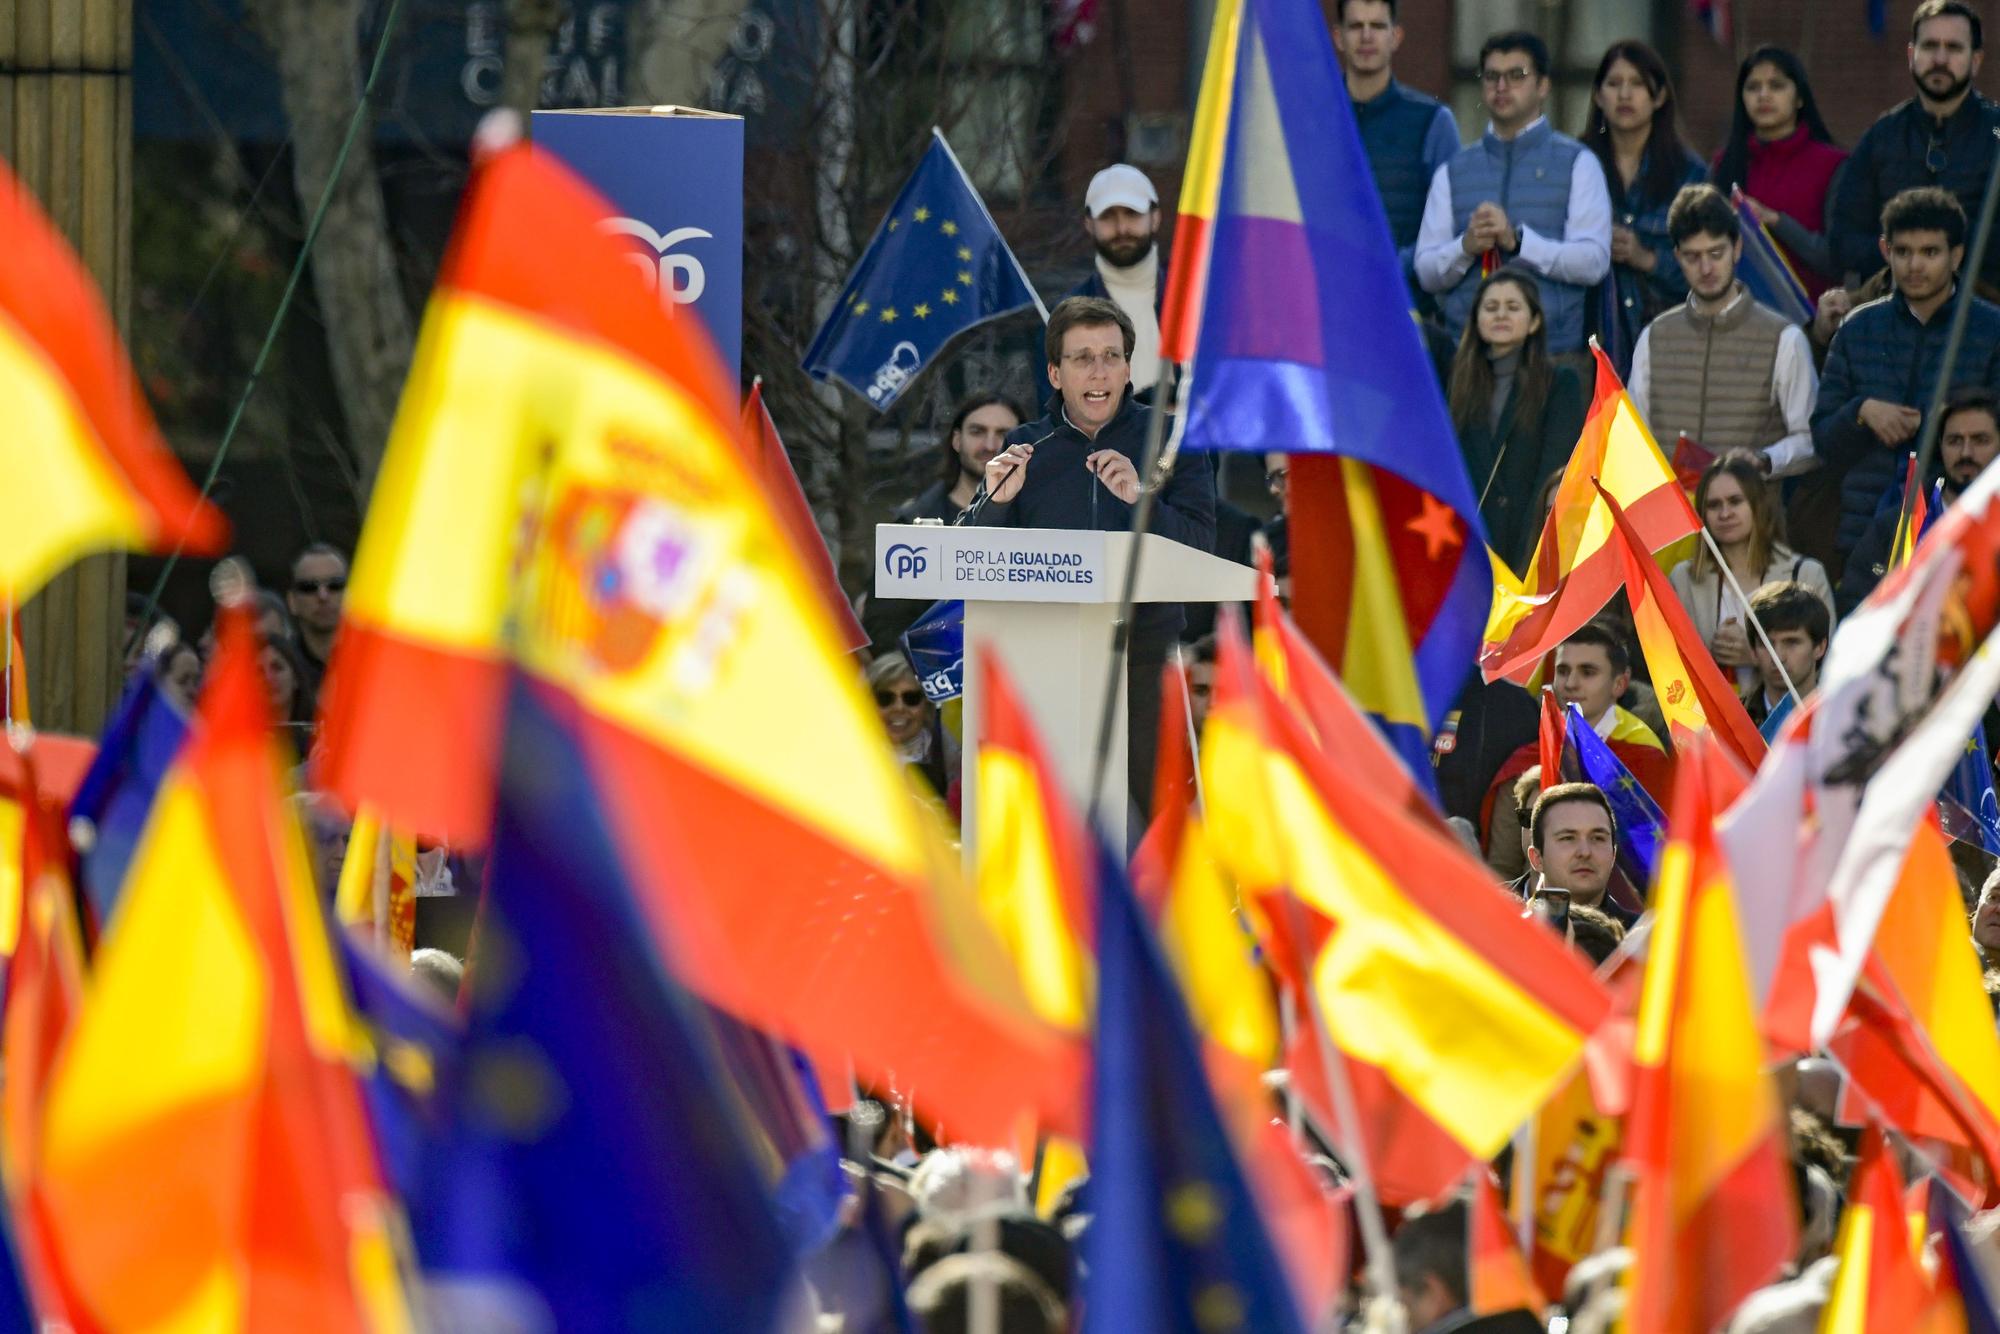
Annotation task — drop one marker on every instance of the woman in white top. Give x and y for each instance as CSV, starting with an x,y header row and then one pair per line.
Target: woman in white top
x,y
1740,511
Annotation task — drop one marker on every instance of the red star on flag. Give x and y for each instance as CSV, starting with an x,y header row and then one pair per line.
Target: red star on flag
x,y
1437,525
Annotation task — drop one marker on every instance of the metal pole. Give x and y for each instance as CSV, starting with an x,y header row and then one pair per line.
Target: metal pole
x,y
1968,283
1121,633
1756,624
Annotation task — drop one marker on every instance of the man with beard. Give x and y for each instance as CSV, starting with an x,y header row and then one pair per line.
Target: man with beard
x,y
1967,441
1943,136
1122,217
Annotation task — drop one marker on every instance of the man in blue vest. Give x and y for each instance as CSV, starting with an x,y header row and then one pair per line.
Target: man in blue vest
x,y
1407,135
1523,195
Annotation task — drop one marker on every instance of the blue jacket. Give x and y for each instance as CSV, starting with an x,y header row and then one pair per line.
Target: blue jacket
x,y
1895,154
1408,136
1882,351
1059,492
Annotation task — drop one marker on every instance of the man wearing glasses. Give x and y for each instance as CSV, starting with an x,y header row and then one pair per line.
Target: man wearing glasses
x,y
1077,466
1522,195
319,583
1941,137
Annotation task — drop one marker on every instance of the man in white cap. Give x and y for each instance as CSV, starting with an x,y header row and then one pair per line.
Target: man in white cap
x,y
1122,215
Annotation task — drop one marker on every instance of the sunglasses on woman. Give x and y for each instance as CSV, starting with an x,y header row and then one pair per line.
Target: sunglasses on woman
x,y
909,699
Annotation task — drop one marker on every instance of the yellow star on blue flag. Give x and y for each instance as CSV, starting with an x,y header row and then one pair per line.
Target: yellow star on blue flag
x,y
950,246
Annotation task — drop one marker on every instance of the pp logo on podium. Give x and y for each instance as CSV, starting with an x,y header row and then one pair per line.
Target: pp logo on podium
x,y
903,561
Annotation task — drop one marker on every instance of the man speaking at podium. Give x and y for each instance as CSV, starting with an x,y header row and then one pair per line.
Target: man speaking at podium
x,y
1078,467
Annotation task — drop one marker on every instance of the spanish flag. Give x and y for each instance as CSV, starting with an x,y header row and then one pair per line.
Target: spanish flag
x,y
86,468
1430,973
1694,695
1712,1215
1412,1158
1879,1285
1576,567
205,1158
377,892
565,484
1031,868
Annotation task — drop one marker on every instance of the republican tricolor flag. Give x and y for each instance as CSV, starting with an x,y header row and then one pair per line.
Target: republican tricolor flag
x,y
1287,302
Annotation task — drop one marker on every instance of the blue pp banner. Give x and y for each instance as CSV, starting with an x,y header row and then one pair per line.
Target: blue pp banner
x,y
935,646
675,177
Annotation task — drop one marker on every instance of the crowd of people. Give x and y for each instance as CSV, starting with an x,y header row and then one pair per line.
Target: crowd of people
x,y
1519,249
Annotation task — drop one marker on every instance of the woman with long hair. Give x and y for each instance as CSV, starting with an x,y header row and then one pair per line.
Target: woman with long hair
x,y
1780,154
1634,130
1739,509
1518,415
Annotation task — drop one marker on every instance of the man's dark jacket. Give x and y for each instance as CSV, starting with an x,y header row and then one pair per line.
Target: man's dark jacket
x,y
1896,154
1059,492
1883,351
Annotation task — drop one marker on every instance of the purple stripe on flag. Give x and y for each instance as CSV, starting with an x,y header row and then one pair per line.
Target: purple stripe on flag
x,y
1275,260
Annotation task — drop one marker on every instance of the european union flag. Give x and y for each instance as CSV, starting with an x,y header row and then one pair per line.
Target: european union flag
x,y
1177,1243
1765,272
937,266
139,745
593,1176
935,646
1971,786
1641,825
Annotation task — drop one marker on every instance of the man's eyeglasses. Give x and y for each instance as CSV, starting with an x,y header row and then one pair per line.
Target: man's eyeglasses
x,y
1515,77
1083,361
909,699
310,586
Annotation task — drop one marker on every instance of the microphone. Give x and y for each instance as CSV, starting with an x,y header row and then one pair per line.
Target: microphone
x,y
975,507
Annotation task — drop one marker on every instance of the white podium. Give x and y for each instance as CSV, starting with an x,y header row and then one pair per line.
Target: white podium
x,y
1045,600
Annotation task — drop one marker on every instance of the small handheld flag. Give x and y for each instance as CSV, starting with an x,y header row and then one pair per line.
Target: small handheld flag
x,y
937,266
1764,269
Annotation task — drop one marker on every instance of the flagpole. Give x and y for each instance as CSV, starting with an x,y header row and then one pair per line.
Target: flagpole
x,y
1157,460
1968,277
1187,716
7,606
1744,602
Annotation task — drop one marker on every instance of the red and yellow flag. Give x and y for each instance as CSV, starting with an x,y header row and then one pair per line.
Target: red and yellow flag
x,y
86,468
1031,867
205,1158
766,451
1430,973
1694,695
1880,1284
566,486
1576,567
378,884
1712,1216
1927,960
